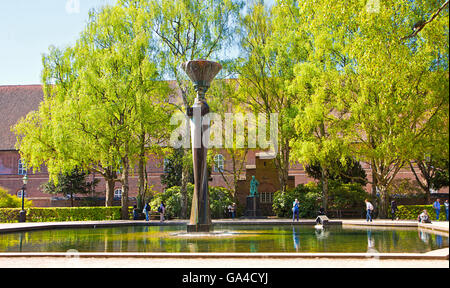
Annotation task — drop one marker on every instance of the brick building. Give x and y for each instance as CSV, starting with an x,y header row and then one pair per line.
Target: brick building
x,y
17,101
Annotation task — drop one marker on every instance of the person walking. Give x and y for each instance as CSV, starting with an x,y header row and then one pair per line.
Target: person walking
x,y
147,211
295,210
369,210
233,210
393,209
446,209
162,211
437,208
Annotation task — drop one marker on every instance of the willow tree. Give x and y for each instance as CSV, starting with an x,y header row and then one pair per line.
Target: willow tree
x,y
390,90
100,96
270,48
188,30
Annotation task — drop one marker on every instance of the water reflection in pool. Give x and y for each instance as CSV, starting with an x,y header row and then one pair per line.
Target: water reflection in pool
x,y
241,239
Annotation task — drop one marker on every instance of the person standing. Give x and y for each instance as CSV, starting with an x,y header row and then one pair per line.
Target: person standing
x,y
233,210
295,210
162,211
437,208
446,209
135,213
393,209
230,211
146,211
369,210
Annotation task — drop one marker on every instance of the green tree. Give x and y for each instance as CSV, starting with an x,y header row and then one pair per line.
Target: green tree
x,y
173,169
351,173
189,30
71,184
390,93
269,51
103,102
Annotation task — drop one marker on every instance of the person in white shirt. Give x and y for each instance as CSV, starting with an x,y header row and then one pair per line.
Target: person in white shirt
x,y
369,209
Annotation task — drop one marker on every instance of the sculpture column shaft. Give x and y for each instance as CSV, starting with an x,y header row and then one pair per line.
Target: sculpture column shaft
x,y
201,72
200,220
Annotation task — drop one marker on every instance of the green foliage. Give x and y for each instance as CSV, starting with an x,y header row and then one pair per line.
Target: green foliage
x,y
342,196
173,168
62,214
308,195
367,91
411,212
346,196
12,201
351,172
70,184
219,199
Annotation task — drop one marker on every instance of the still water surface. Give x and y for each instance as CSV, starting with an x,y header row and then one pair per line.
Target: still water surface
x,y
233,239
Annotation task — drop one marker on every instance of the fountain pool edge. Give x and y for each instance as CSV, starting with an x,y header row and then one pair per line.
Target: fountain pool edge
x,y
436,227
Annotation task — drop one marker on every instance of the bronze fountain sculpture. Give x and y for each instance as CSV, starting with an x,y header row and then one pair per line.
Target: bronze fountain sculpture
x,y
202,73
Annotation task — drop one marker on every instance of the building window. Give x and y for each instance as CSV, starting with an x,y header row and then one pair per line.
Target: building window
x,y
19,194
22,168
166,164
218,163
266,197
118,193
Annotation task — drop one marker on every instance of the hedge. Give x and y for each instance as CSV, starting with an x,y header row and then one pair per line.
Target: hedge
x,y
11,215
411,212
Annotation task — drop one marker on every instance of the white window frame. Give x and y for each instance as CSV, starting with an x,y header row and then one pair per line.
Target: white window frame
x,y
21,168
117,194
219,163
19,193
266,197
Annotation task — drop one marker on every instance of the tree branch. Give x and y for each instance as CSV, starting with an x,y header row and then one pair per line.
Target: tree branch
x,y
422,25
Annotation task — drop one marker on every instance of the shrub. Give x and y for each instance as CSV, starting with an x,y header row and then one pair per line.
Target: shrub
x,y
346,196
219,199
341,196
11,201
308,195
8,215
411,212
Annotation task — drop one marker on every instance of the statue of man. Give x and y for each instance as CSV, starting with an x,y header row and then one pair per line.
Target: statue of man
x,y
254,187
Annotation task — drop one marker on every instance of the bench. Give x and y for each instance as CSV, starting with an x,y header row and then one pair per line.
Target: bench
x,y
153,215
346,213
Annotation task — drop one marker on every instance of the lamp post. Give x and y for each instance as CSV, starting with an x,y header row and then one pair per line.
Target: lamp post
x,y
23,213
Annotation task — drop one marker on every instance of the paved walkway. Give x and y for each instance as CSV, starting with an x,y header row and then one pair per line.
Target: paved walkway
x,y
433,259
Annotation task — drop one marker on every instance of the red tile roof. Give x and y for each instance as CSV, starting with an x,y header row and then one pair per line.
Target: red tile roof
x,y
16,102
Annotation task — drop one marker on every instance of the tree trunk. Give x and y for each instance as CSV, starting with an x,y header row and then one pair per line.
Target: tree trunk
x,y
384,202
374,180
183,190
110,183
324,180
125,188
141,167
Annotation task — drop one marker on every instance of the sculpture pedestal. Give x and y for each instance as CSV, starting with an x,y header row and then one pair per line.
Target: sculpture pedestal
x,y
199,228
252,209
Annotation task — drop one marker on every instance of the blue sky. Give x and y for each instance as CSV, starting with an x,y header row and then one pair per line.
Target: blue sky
x,y
29,27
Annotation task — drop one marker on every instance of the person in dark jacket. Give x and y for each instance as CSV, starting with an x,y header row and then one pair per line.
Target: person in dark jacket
x,y
147,210
394,209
